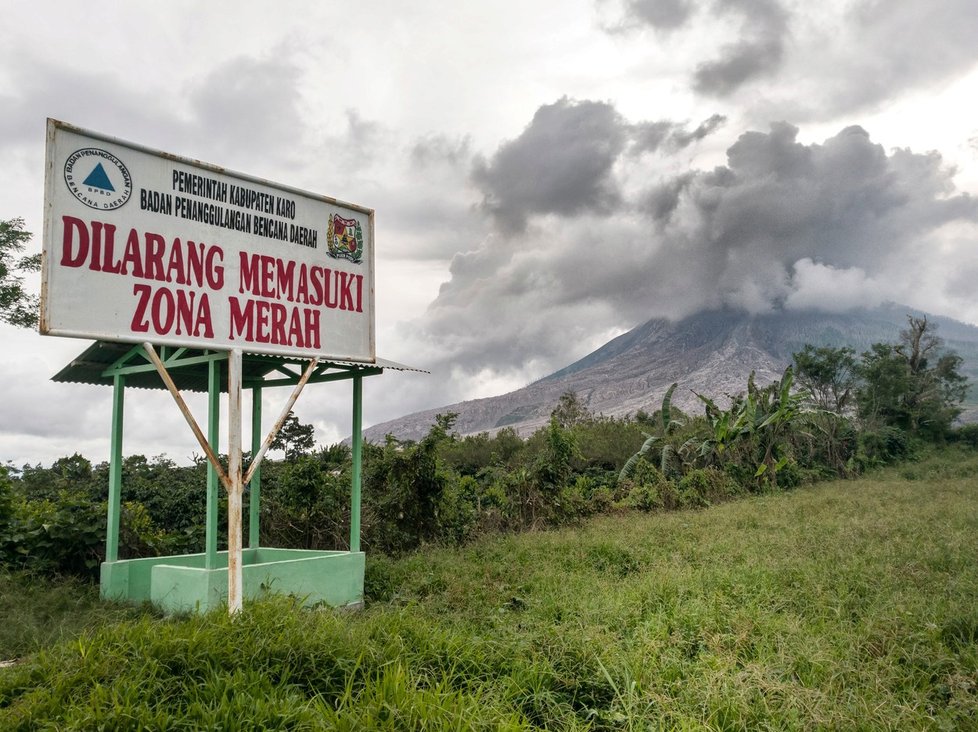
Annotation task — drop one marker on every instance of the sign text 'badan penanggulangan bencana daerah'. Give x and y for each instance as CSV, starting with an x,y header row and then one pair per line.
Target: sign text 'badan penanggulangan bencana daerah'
x,y
143,246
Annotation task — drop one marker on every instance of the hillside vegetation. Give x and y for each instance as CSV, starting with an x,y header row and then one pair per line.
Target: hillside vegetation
x,y
848,605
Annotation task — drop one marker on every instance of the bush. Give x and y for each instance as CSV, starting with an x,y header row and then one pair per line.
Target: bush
x,y
6,499
404,486
456,510
704,486
574,501
139,537
965,435
649,489
790,475
881,446
56,536
644,497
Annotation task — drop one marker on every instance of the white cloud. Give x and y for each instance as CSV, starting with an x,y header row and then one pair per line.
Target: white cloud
x,y
816,286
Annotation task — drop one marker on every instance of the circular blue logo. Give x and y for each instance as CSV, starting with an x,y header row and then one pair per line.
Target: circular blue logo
x,y
98,178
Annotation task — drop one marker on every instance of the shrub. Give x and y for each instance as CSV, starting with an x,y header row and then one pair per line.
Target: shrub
x,y
59,536
6,499
456,510
966,435
704,486
574,500
790,475
876,447
138,536
649,489
645,497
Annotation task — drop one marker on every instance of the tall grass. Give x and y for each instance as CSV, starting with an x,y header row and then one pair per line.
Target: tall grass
x,y
37,611
849,605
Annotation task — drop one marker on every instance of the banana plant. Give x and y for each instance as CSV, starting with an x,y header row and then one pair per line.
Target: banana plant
x,y
761,416
669,425
630,464
773,429
727,425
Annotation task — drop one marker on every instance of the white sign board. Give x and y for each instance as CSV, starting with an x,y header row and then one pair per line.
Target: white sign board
x,y
144,246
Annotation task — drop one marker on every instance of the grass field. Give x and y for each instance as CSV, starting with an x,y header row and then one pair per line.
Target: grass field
x,y
848,605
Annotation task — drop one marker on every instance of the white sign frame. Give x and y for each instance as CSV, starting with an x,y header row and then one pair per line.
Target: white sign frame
x,y
144,246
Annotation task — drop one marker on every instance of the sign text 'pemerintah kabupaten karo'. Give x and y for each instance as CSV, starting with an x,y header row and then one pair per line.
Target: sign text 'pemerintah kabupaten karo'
x,y
144,246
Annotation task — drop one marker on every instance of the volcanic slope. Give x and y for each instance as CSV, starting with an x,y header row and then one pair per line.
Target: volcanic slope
x,y
711,353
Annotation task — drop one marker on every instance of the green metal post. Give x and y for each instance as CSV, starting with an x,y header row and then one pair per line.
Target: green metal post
x,y
357,453
255,484
213,482
115,470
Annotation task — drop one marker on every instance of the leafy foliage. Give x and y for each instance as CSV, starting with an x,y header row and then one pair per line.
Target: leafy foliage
x,y
17,306
828,375
294,438
912,385
570,411
405,483
310,505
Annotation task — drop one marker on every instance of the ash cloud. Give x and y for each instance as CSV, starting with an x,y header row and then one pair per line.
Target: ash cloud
x,y
563,163
560,164
740,63
663,15
845,203
783,224
671,136
758,53
850,57
760,29
816,286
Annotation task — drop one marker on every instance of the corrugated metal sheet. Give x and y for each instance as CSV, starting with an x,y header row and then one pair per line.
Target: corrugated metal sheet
x,y
90,366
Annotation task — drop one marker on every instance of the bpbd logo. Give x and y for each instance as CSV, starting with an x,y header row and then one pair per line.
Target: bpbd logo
x,y
98,178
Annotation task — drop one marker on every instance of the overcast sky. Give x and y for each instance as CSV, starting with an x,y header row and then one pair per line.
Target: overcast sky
x,y
546,174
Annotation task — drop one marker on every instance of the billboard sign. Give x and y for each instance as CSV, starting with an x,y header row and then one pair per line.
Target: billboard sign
x,y
142,246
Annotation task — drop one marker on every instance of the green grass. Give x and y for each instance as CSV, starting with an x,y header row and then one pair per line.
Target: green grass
x,y
37,611
848,605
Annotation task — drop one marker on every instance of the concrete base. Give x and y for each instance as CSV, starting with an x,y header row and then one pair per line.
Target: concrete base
x,y
183,584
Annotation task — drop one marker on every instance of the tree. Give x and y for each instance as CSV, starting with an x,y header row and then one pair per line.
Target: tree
x,y
913,384
781,410
554,464
17,306
828,374
570,410
404,484
311,495
294,438
669,426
